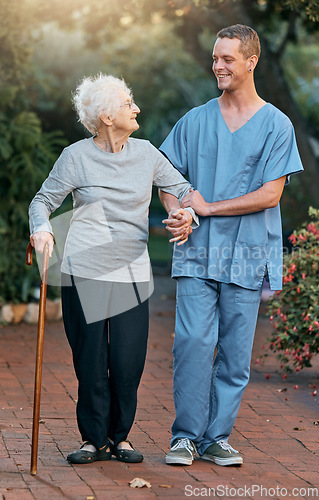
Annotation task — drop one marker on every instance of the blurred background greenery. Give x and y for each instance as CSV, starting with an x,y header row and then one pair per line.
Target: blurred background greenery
x,y
163,50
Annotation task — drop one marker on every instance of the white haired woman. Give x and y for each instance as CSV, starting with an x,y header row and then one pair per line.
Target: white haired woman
x,y
105,266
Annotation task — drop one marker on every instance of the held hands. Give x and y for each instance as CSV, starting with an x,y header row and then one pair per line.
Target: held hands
x,y
40,239
195,200
179,224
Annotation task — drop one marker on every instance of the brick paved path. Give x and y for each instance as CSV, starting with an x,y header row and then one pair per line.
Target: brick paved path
x,y
275,430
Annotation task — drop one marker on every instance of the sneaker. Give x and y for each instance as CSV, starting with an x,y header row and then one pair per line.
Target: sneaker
x,y
222,454
182,452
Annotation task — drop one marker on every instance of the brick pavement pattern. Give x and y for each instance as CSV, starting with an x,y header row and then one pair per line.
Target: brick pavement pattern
x,y
276,430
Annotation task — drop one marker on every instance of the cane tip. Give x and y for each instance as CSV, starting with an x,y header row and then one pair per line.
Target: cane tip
x,y
33,472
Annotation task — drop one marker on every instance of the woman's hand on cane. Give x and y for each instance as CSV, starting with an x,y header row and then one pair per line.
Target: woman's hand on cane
x,y
40,239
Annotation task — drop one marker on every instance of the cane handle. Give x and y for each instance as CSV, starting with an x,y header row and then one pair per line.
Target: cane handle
x,y
28,259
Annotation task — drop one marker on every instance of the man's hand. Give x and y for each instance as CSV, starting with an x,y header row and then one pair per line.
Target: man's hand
x,y
40,239
267,196
179,224
195,200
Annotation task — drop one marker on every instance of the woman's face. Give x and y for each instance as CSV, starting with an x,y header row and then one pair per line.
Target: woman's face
x,y
125,118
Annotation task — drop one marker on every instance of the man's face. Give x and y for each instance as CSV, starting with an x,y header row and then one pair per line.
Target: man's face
x,y
229,65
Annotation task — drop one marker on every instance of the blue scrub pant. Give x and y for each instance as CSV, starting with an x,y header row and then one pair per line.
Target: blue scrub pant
x,y
210,315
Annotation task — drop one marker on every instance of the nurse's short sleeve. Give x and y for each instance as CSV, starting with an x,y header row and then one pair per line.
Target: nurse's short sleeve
x,y
284,157
175,146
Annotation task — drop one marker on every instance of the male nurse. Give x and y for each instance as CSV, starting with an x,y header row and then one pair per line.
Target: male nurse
x,y
238,152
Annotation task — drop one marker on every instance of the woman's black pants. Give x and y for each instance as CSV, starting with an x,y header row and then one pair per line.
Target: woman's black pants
x,y
109,357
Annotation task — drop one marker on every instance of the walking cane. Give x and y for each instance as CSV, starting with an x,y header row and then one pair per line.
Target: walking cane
x,y
39,355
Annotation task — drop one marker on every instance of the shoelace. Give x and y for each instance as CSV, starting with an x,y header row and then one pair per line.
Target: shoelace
x,y
185,443
226,446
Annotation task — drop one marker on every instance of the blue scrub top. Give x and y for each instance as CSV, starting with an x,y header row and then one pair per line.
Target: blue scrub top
x,y
222,165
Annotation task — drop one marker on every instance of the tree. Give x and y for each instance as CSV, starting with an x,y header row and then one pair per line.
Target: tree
x,y
196,22
165,82
26,153
267,17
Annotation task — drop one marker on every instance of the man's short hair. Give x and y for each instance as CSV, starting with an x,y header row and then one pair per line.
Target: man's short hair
x,y
250,43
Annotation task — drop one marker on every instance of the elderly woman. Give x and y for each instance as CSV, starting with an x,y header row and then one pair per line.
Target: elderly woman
x,y
105,266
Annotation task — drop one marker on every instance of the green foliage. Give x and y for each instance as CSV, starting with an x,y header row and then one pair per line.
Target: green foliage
x,y
14,30
308,8
26,156
304,85
26,153
294,311
166,83
46,47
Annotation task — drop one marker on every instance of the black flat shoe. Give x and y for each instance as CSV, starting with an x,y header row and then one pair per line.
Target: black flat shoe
x,y
87,457
128,456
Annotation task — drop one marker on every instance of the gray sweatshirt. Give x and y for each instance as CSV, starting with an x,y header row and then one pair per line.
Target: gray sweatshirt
x,y
108,232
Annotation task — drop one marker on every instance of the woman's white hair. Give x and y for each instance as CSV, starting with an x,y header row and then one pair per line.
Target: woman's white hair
x,y
96,95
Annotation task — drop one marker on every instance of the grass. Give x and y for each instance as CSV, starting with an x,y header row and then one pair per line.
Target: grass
x,y
160,249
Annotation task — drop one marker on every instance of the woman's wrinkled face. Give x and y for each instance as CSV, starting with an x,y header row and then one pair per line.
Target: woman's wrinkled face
x,y
125,118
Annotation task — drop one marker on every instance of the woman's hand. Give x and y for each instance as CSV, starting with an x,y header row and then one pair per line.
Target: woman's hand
x,y
40,239
195,200
179,224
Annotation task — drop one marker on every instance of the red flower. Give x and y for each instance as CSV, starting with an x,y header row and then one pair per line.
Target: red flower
x,y
312,228
292,238
288,278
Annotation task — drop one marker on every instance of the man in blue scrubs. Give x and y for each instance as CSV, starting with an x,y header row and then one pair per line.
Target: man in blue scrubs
x,y
238,152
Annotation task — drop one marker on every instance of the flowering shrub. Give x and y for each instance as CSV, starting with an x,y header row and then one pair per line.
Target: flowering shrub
x,y
294,311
